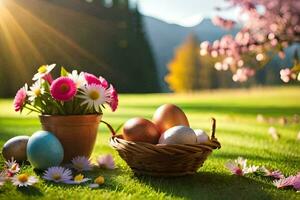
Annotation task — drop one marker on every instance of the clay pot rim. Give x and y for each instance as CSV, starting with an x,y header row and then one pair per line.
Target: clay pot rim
x,y
88,115
70,120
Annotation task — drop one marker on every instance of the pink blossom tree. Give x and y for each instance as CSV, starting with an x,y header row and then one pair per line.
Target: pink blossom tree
x,y
268,27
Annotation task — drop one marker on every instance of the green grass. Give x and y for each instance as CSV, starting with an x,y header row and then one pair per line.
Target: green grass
x,y
237,130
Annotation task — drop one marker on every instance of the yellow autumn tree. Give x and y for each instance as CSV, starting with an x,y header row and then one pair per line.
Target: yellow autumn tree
x,y
184,68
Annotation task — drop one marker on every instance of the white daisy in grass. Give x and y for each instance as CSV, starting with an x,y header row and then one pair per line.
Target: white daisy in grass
x,y
35,90
43,71
94,96
24,180
58,174
78,179
12,166
251,169
106,161
78,78
82,163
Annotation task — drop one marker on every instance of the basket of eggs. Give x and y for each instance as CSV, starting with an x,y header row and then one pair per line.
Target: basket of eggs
x,y
165,147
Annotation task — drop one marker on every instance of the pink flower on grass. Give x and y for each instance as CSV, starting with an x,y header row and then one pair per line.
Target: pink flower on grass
x,y
284,182
20,98
237,166
63,89
12,167
272,173
296,183
113,100
106,161
91,79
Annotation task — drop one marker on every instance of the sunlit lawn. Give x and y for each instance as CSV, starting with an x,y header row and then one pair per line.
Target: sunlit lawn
x,y
237,130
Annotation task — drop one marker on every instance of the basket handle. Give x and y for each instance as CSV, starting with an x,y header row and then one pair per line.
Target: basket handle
x,y
113,132
213,128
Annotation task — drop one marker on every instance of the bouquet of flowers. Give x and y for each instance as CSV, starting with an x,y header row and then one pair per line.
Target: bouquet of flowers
x,y
70,94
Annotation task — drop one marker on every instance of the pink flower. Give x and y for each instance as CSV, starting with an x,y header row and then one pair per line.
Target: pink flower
x,y
272,173
242,74
296,183
20,98
284,182
48,78
237,166
106,161
113,98
91,79
224,23
63,89
287,74
103,81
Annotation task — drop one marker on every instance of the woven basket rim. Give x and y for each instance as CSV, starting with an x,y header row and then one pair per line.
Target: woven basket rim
x,y
211,144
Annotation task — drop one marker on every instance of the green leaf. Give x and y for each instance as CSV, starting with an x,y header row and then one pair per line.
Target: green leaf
x,y
63,72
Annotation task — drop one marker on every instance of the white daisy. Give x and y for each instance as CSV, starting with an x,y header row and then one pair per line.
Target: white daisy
x,y
78,78
12,166
94,96
35,90
24,180
43,71
81,163
78,179
58,174
251,169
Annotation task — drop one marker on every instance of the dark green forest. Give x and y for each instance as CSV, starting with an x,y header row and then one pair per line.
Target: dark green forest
x,y
106,40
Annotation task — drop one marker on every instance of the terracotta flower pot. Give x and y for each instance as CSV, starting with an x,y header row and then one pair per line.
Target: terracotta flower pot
x,y
77,133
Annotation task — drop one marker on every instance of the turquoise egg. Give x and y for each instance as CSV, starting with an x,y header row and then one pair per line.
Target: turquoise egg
x,y
44,150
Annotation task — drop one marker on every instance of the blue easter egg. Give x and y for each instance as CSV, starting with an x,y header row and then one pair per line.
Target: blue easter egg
x,y
44,150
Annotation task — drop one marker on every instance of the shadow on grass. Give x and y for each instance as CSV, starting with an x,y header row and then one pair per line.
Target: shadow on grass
x,y
30,191
208,185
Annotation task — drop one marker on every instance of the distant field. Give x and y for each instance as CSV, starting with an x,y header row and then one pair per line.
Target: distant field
x,y
237,130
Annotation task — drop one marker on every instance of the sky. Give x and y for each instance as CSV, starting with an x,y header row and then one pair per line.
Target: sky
x,y
184,12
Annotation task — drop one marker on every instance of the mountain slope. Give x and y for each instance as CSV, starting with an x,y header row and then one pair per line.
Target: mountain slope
x,y
164,38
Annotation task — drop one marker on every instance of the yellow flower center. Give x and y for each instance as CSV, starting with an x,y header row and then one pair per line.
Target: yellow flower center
x,y
78,178
99,180
23,178
64,88
42,69
56,176
14,166
94,95
37,91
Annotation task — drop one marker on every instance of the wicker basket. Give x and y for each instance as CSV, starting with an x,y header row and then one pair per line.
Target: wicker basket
x,y
165,160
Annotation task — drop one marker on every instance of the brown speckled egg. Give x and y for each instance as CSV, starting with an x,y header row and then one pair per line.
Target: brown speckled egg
x,y
16,148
